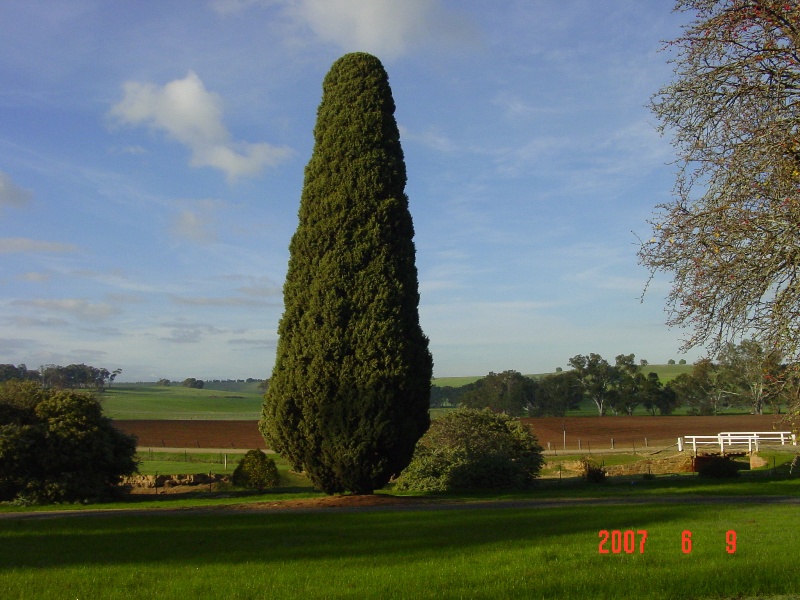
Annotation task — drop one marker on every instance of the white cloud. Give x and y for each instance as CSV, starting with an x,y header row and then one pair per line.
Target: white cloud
x,y
189,333
191,115
11,194
20,321
430,139
221,302
516,108
36,276
82,309
194,226
226,7
388,28
27,245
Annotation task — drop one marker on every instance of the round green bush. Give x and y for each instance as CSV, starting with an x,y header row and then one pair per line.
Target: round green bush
x,y
56,446
470,449
256,470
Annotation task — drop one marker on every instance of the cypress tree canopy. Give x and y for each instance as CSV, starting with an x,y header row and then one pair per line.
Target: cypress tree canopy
x,y
349,394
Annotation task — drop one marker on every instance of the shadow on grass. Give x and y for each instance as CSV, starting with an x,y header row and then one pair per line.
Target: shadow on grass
x,y
385,537
167,498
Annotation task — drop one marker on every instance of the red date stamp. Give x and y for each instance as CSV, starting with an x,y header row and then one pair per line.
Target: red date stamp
x,y
629,541
621,541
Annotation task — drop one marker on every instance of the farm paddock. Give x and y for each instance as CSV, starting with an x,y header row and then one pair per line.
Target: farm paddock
x,y
594,433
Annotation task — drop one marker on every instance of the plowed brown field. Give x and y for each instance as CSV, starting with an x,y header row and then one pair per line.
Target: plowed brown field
x,y
593,432
195,434
629,431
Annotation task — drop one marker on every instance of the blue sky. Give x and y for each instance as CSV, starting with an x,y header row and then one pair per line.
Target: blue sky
x,y
152,155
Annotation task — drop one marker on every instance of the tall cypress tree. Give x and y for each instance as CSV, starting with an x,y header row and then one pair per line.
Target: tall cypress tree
x,y
349,393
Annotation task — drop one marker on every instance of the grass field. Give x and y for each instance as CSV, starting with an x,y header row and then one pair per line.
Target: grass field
x,y
473,549
665,372
465,553
242,401
143,401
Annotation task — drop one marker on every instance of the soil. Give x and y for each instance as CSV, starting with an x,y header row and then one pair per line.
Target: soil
x,y
195,434
594,433
629,431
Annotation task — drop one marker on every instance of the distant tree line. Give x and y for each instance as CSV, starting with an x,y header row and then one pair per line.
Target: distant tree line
x,y
191,382
199,383
743,376
57,377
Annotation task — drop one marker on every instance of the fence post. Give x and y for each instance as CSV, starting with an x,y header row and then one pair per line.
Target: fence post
x,y
680,444
579,444
612,443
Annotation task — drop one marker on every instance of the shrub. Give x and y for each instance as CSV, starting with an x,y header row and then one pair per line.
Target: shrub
x,y
256,470
473,449
718,467
56,446
592,471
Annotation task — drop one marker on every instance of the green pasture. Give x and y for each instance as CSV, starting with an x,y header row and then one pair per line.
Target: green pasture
x,y
186,463
231,400
529,553
455,381
665,372
142,401
587,408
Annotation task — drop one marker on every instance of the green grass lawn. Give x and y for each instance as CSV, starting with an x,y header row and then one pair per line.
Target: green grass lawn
x,y
473,550
525,553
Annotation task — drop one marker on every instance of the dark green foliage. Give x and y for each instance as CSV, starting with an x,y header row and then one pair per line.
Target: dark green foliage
x,y
446,396
508,392
56,446
512,393
349,394
717,467
592,471
256,470
656,397
21,372
474,449
555,395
